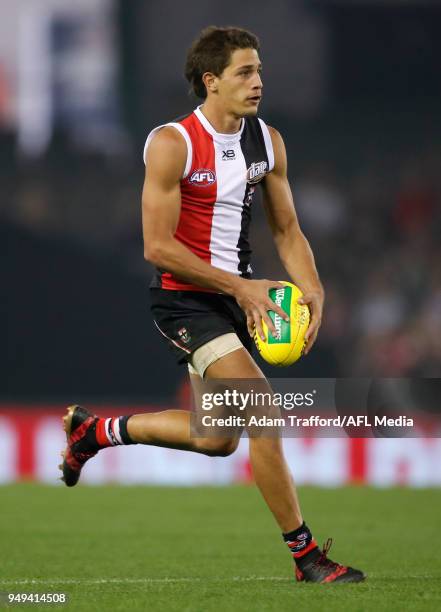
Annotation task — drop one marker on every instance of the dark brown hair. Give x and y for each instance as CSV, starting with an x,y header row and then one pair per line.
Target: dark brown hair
x,y
211,52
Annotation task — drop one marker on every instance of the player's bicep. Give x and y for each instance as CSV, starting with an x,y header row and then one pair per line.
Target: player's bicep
x,y
161,196
277,195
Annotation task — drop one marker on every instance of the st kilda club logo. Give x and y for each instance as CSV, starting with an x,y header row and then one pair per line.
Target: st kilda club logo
x,y
184,335
202,177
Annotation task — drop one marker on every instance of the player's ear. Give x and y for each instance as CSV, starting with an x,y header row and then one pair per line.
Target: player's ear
x,y
210,81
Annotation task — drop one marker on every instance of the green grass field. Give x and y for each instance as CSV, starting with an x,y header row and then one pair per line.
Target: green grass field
x,y
215,549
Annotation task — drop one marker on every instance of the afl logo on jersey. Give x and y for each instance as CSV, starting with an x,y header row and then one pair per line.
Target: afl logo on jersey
x,y
256,172
202,177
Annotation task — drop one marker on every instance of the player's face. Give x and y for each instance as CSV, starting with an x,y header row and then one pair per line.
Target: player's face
x,y
240,84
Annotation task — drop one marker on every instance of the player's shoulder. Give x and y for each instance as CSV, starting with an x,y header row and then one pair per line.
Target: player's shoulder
x,y
168,137
276,136
272,138
271,132
276,150
173,136
278,144
169,145
165,144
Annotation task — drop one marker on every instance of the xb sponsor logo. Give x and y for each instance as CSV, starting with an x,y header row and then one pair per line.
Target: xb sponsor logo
x,y
228,154
202,177
256,171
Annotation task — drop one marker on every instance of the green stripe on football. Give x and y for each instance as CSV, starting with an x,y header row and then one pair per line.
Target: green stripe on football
x,y
286,347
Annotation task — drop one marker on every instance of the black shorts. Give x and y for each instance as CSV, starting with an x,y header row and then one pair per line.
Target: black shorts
x,y
189,319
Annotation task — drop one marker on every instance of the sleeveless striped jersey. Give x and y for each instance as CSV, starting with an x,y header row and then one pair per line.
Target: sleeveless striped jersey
x,y
217,189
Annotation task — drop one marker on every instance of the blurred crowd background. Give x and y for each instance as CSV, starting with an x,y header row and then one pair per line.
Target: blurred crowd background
x,y
354,89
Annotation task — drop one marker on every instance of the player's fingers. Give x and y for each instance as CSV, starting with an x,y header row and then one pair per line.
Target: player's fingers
x,y
310,342
275,284
313,323
315,305
307,298
309,333
250,325
312,329
270,305
269,323
313,326
258,323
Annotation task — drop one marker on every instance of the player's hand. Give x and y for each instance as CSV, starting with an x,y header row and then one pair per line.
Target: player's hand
x,y
315,301
253,297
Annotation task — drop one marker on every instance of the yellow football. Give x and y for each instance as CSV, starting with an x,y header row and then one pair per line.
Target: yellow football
x,y
287,347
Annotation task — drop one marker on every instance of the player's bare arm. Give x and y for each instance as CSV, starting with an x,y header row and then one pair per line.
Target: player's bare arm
x,y
161,205
293,248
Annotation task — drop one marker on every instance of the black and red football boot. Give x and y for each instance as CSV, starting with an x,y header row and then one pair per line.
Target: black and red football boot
x,y
317,567
80,428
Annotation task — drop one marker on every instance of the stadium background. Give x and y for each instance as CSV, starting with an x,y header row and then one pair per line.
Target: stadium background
x,y
354,88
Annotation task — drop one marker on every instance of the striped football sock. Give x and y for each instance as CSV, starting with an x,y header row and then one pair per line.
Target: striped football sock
x,y
300,542
113,432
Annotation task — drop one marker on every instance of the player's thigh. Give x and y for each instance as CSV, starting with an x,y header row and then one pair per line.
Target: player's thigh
x,y
237,374
237,364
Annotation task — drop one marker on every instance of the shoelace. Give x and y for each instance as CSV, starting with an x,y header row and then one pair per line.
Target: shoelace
x,y
323,559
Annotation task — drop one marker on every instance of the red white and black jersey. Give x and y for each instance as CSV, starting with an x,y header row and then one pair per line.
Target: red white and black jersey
x,y
217,189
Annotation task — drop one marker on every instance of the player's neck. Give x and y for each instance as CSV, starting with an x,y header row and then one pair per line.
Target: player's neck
x,y
222,122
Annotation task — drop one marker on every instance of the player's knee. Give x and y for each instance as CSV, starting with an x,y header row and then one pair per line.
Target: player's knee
x,y
217,448
227,448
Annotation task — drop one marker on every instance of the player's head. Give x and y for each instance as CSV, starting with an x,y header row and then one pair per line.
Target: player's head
x,y
224,62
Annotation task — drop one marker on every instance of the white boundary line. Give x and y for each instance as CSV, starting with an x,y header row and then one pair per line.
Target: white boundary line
x,y
170,580
29,581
